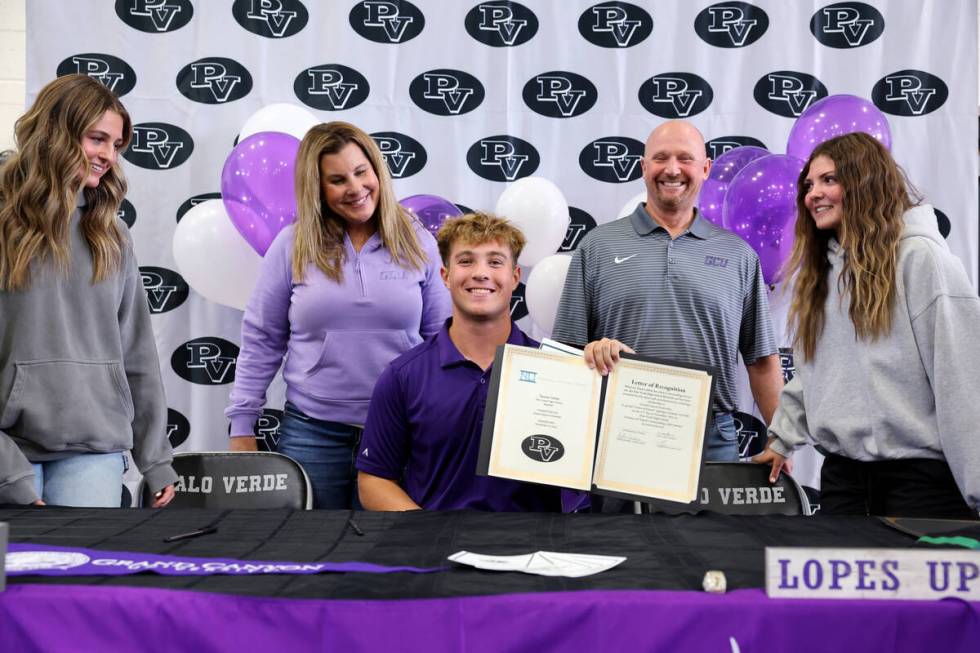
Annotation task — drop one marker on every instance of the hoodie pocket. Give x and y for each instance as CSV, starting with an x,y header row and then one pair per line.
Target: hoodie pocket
x,y
350,363
59,402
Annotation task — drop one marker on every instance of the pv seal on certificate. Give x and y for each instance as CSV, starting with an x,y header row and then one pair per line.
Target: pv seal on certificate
x,y
636,434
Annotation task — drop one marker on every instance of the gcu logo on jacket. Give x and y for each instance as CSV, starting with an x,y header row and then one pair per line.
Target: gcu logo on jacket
x,y
274,19
404,155
615,25
731,24
446,92
206,361
718,146
158,146
503,158
114,73
613,159
847,25
788,93
331,87
909,93
501,24
675,95
165,289
384,21
214,80
560,94
155,15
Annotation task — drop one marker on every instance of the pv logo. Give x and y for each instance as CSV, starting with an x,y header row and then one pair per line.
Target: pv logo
x,y
942,221
675,95
847,25
502,158
518,305
159,146
126,212
560,94
613,159
206,361
751,433
214,80
155,15
543,448
404,155
788,93
718,146
615,25
274,19
384,21
579,224
267,429
501,24
165,289
114,73
178,428
191,202
446,92
331,87
786,363
731,24
909,93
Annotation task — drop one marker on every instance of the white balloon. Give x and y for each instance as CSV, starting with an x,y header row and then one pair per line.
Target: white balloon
x,y
630,206
539,209
280,117
542,291
214,259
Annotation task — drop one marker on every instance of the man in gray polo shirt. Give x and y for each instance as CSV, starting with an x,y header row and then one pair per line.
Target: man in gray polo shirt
x,y
664,282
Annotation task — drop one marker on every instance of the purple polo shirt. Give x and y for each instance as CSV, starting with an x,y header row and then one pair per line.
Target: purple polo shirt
x,y
423,431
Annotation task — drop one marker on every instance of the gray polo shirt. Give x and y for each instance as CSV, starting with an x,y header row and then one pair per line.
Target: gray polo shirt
x,y
698,299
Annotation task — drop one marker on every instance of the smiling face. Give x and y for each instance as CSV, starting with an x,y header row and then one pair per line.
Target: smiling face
x,y
101,144
824,197
674,167
481,279
349,184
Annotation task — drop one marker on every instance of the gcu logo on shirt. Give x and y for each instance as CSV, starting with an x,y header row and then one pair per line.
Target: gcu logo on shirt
x,y
114,73
675,95
384,21
579,224
191,202
267,429
502,158
214,80
159,146
155,15
613,159
165,289
786,363
331,87
501,24
543,448
847,25
126,212
404,155
518,305
909,93
560,94
718,146
178,428
206,361
274,19
615,25
446,92
716,262
788,93
731,24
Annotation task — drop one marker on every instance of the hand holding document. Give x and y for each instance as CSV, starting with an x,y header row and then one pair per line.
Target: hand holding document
x,y
541,563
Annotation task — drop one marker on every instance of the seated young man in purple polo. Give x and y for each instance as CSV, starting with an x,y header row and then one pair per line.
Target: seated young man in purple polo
x,y
420,444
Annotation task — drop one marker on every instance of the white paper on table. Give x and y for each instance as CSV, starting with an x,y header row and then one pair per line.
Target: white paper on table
x,y
541,563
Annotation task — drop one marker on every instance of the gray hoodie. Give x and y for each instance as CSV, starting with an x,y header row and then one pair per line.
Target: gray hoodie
x,y
910,394
79,371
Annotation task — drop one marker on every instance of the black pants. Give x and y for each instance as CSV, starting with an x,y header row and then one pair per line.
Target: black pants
x,y
913,487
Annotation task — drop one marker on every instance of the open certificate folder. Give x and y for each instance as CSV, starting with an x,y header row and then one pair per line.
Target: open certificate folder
x,y
638,433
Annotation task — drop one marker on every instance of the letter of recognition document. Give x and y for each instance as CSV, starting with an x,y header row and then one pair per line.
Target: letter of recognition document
x,y
638,433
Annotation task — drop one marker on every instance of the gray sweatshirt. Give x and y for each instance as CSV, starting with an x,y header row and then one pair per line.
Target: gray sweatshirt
x,y
910,394
79,371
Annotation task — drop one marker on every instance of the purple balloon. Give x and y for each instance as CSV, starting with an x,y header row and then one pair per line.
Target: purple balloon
x,y
258,186
431,210
836,115
761,208
723,170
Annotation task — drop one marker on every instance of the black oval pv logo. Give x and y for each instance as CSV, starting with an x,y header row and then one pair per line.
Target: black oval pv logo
x,y
560,94
274,19
331,87
847,24
386,21
718,146
613,159
503,158
267,429
543,448
909,93
165,289
731,24
404,155
214,80
114,73
518,304
751,433
676,95
205,361
191,202
787,92
446,92
159,146
615,25
501,24
155,17
579,224
178,428
127,213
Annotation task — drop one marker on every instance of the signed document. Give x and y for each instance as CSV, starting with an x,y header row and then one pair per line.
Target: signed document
x,y
638,433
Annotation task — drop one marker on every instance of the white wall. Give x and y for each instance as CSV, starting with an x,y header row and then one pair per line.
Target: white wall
x,y
12,49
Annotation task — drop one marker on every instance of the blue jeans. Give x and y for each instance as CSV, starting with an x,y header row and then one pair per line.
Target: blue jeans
x,y
326,451
86,480
722,442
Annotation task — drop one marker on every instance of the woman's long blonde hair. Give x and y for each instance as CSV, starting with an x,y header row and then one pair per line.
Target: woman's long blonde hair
x,y
39,183
319,231
875,195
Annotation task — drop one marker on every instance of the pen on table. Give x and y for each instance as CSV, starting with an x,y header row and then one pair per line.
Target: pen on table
x,y
354,527
189,534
